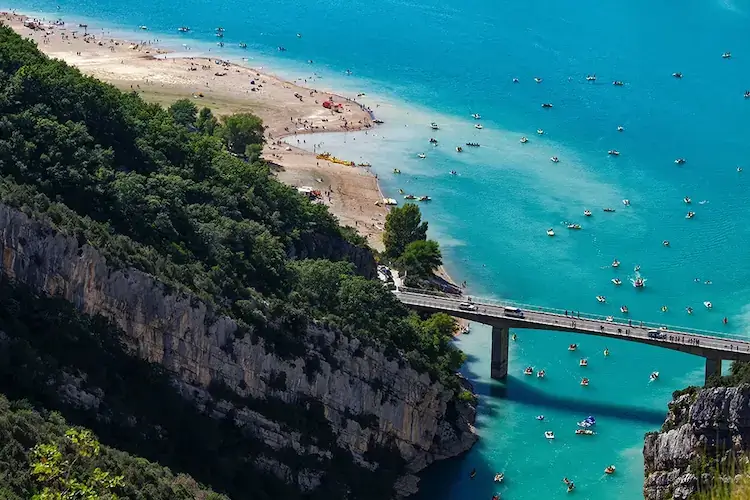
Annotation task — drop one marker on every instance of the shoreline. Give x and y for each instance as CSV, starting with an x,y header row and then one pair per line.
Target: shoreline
x,y
288,110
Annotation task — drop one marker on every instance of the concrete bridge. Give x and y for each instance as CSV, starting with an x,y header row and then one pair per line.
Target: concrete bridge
x,y
502,316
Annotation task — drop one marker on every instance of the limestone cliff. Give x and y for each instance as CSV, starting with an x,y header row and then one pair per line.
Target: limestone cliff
x,y
705,430
369,400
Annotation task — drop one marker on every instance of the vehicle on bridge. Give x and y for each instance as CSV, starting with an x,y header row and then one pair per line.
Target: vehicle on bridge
x,y
513,312
467,306
656,334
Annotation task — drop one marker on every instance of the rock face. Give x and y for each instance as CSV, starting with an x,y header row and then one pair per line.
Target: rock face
x,y
704,428
368,400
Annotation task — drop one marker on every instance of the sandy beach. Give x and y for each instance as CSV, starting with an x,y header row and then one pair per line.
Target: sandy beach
x,y
287,109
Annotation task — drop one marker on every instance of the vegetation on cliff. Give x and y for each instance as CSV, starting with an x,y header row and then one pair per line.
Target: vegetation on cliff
x,y
184,197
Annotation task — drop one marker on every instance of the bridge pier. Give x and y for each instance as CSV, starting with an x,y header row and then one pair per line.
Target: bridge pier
x,y
713,368
499,366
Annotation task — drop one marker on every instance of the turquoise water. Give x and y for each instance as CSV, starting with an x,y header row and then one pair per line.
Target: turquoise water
x,y
421,62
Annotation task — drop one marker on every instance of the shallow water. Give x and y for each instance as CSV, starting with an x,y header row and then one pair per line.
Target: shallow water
x,y
422,62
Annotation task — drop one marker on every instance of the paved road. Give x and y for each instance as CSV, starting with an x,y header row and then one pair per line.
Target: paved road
x,y
703,343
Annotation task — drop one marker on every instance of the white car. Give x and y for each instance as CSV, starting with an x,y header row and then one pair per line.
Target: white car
x,y
467,307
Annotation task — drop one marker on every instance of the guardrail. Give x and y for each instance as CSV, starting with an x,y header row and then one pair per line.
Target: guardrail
x,y
579,315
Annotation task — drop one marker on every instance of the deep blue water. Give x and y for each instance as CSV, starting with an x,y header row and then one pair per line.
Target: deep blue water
x,y
421,62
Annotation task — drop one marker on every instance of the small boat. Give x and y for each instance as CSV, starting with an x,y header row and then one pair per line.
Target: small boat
x,y
708,305
636,268
615,263
364,164
478,126
554,159
540,417
515,80
680,161
459,149
639,283
739,169
620,128
571,487
626,202
422,156
587,422
726,55
540,131
453,172
606,352
677,74
499,477
665,243
514,337
219,35
689,310
690,215
299,35
550,232
687,200
282,49
424,198
473,144
243,45
529,370
572,347
585,432
537,79
747,94
476,116
144,28
613,152
583,362
609,209
434,126
585,382
587,213
617,83
541,374
591,78
624,309
653,376
524,140
616,281
549,434
664,309
433,140
183,29
610,319
574,226
410,197
546,105
396,171
378,122
610,469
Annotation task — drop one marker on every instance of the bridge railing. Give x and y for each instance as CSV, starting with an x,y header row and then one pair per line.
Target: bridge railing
x,y
583,315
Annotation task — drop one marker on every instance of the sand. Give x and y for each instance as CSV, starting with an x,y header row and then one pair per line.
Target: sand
x,y
286,109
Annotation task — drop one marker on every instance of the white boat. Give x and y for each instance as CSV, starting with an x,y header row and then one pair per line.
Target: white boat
x,y
677,74
690,215
680,161
434,126
541,374
616,281
459,149
618,83
422,155
144,28
606,351
591,78
476,116
554,159
610,319
529,370
739,169
587,213
665,243
537,79
549,434
478,126
499,477
540,417
572,347
540,131
610,469
550,232
653,376
708,305
747,94
601,298
615,263
574,226
183,29
613,152
583,362
620,128
639,282
587,422
726,55
524,140
626,202
585,382
687,200
624,309
585,432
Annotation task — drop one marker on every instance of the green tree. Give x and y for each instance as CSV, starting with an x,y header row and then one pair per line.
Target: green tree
x,y
206,122
420,258
240,131
184,112
403,225
71,473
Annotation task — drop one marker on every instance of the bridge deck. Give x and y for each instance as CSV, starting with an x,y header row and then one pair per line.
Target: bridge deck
x,y
708,344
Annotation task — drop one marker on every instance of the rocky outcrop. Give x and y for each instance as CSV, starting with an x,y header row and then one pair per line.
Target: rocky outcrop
x,y
371,401
706,431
